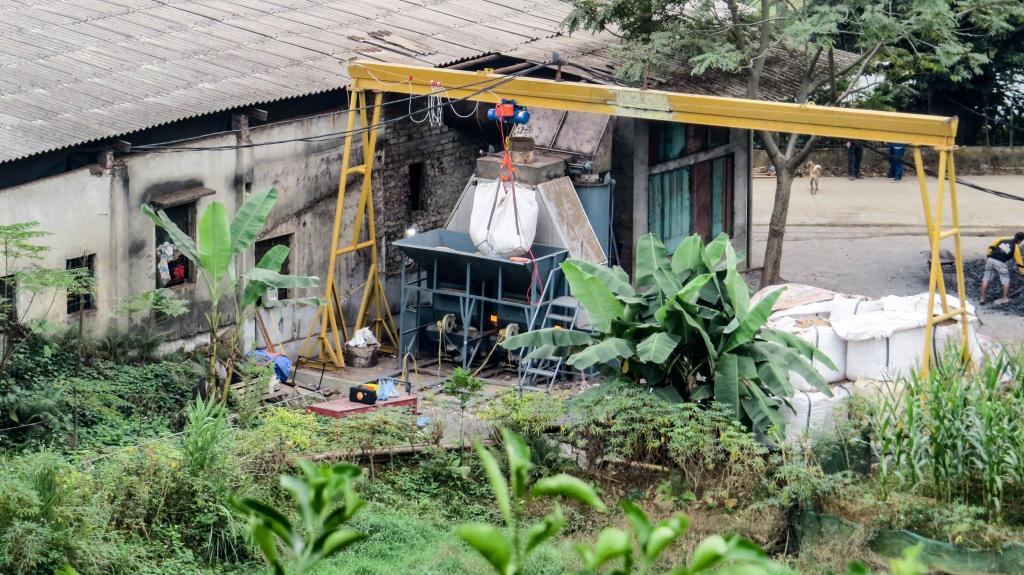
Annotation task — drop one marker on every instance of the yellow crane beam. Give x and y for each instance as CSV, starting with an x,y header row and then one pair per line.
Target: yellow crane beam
x,y
484,86
915,129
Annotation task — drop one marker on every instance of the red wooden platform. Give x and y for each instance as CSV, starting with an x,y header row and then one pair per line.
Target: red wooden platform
x,y
343,407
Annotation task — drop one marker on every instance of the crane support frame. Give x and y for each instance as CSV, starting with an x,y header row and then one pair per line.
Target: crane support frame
x,y
326,338
484,86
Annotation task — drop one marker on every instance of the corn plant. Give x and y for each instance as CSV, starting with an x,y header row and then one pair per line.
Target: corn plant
x,y
463,385
688,324
325,499
204,434
957,434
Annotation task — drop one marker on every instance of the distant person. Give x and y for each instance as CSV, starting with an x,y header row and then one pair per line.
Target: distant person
x,y
896,152
854,152
1000,252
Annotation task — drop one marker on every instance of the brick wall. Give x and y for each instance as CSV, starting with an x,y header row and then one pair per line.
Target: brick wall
x,y
447,156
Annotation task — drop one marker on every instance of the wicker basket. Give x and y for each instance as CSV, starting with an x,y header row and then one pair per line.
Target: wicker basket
x,y
362,356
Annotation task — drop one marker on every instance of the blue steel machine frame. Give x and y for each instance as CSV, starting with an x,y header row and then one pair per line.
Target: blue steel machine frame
x,y
453,276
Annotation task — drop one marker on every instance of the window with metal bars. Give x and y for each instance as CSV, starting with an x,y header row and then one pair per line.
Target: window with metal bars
x,y
81,301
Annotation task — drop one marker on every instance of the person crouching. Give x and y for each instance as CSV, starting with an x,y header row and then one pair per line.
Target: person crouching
x,y
1000,252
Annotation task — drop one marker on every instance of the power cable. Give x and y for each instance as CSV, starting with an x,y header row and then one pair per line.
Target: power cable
x,y
408,98
982,115
961,181
493,83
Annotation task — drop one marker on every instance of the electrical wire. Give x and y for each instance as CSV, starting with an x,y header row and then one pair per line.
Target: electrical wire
x,y
493,83
980,114
961,181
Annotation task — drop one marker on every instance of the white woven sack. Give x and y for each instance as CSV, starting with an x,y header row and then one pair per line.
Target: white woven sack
x,y
854,304
825,339
504,218
887,358
812,413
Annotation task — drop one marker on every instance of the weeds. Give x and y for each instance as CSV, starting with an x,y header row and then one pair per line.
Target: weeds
x,y
709,448
204,435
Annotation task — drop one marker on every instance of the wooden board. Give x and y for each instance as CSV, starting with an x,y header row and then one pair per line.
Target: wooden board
x,y
343,407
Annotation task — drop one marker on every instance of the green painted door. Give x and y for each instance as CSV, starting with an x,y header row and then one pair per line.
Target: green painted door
x,y
669,209
721,196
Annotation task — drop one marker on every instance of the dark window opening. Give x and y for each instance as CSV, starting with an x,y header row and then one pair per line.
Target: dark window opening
x,y
261,249
173,268
8,302
718,136
696,138
417,183
81,301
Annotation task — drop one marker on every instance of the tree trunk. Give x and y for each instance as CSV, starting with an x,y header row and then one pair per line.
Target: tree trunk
x,y
211,374
777,226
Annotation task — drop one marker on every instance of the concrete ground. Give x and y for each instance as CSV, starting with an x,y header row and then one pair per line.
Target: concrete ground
x,y
869,237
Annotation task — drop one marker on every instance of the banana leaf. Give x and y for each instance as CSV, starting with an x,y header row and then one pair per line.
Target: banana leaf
x,y
601,304
608,350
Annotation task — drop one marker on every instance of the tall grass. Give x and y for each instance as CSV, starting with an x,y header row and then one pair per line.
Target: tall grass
x,y
958,435
204,433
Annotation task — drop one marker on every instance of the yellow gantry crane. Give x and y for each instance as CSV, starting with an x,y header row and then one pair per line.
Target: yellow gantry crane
x,y
913,129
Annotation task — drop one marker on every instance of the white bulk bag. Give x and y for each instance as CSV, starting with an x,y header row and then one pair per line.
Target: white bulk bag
x,y
887,358
504,218
838,305
825,339
811,413
949,335
855,304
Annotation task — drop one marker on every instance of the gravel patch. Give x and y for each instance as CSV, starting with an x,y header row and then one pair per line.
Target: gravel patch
x,y
973,270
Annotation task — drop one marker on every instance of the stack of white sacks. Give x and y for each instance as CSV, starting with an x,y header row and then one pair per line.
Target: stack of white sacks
x,y
870,341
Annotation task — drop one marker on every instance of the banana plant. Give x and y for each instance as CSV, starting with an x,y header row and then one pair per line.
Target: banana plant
x,y
216,254
325,499
613,551
688,323
507,551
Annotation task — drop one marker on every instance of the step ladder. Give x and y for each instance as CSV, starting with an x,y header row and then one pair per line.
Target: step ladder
x,y
564,312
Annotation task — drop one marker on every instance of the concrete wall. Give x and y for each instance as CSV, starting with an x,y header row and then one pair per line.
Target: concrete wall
x,y
970,161
97,210
80,210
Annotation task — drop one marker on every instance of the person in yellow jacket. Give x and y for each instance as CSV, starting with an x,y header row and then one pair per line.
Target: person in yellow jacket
x,y
1000,252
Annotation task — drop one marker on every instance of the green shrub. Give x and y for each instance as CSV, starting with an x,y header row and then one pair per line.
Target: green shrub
x,y
711,450
528,414
268,448
50,515
160,491
116,404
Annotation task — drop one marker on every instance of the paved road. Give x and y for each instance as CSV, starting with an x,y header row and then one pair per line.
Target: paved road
x,y
868,236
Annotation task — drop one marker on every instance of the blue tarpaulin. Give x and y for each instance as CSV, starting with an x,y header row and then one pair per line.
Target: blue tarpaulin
x,y
282,365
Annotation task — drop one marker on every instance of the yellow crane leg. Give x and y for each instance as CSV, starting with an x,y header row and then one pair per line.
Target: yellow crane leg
x,y
936,233
326,339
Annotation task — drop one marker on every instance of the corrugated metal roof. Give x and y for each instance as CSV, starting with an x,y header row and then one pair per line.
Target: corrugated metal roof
x,y
76,71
